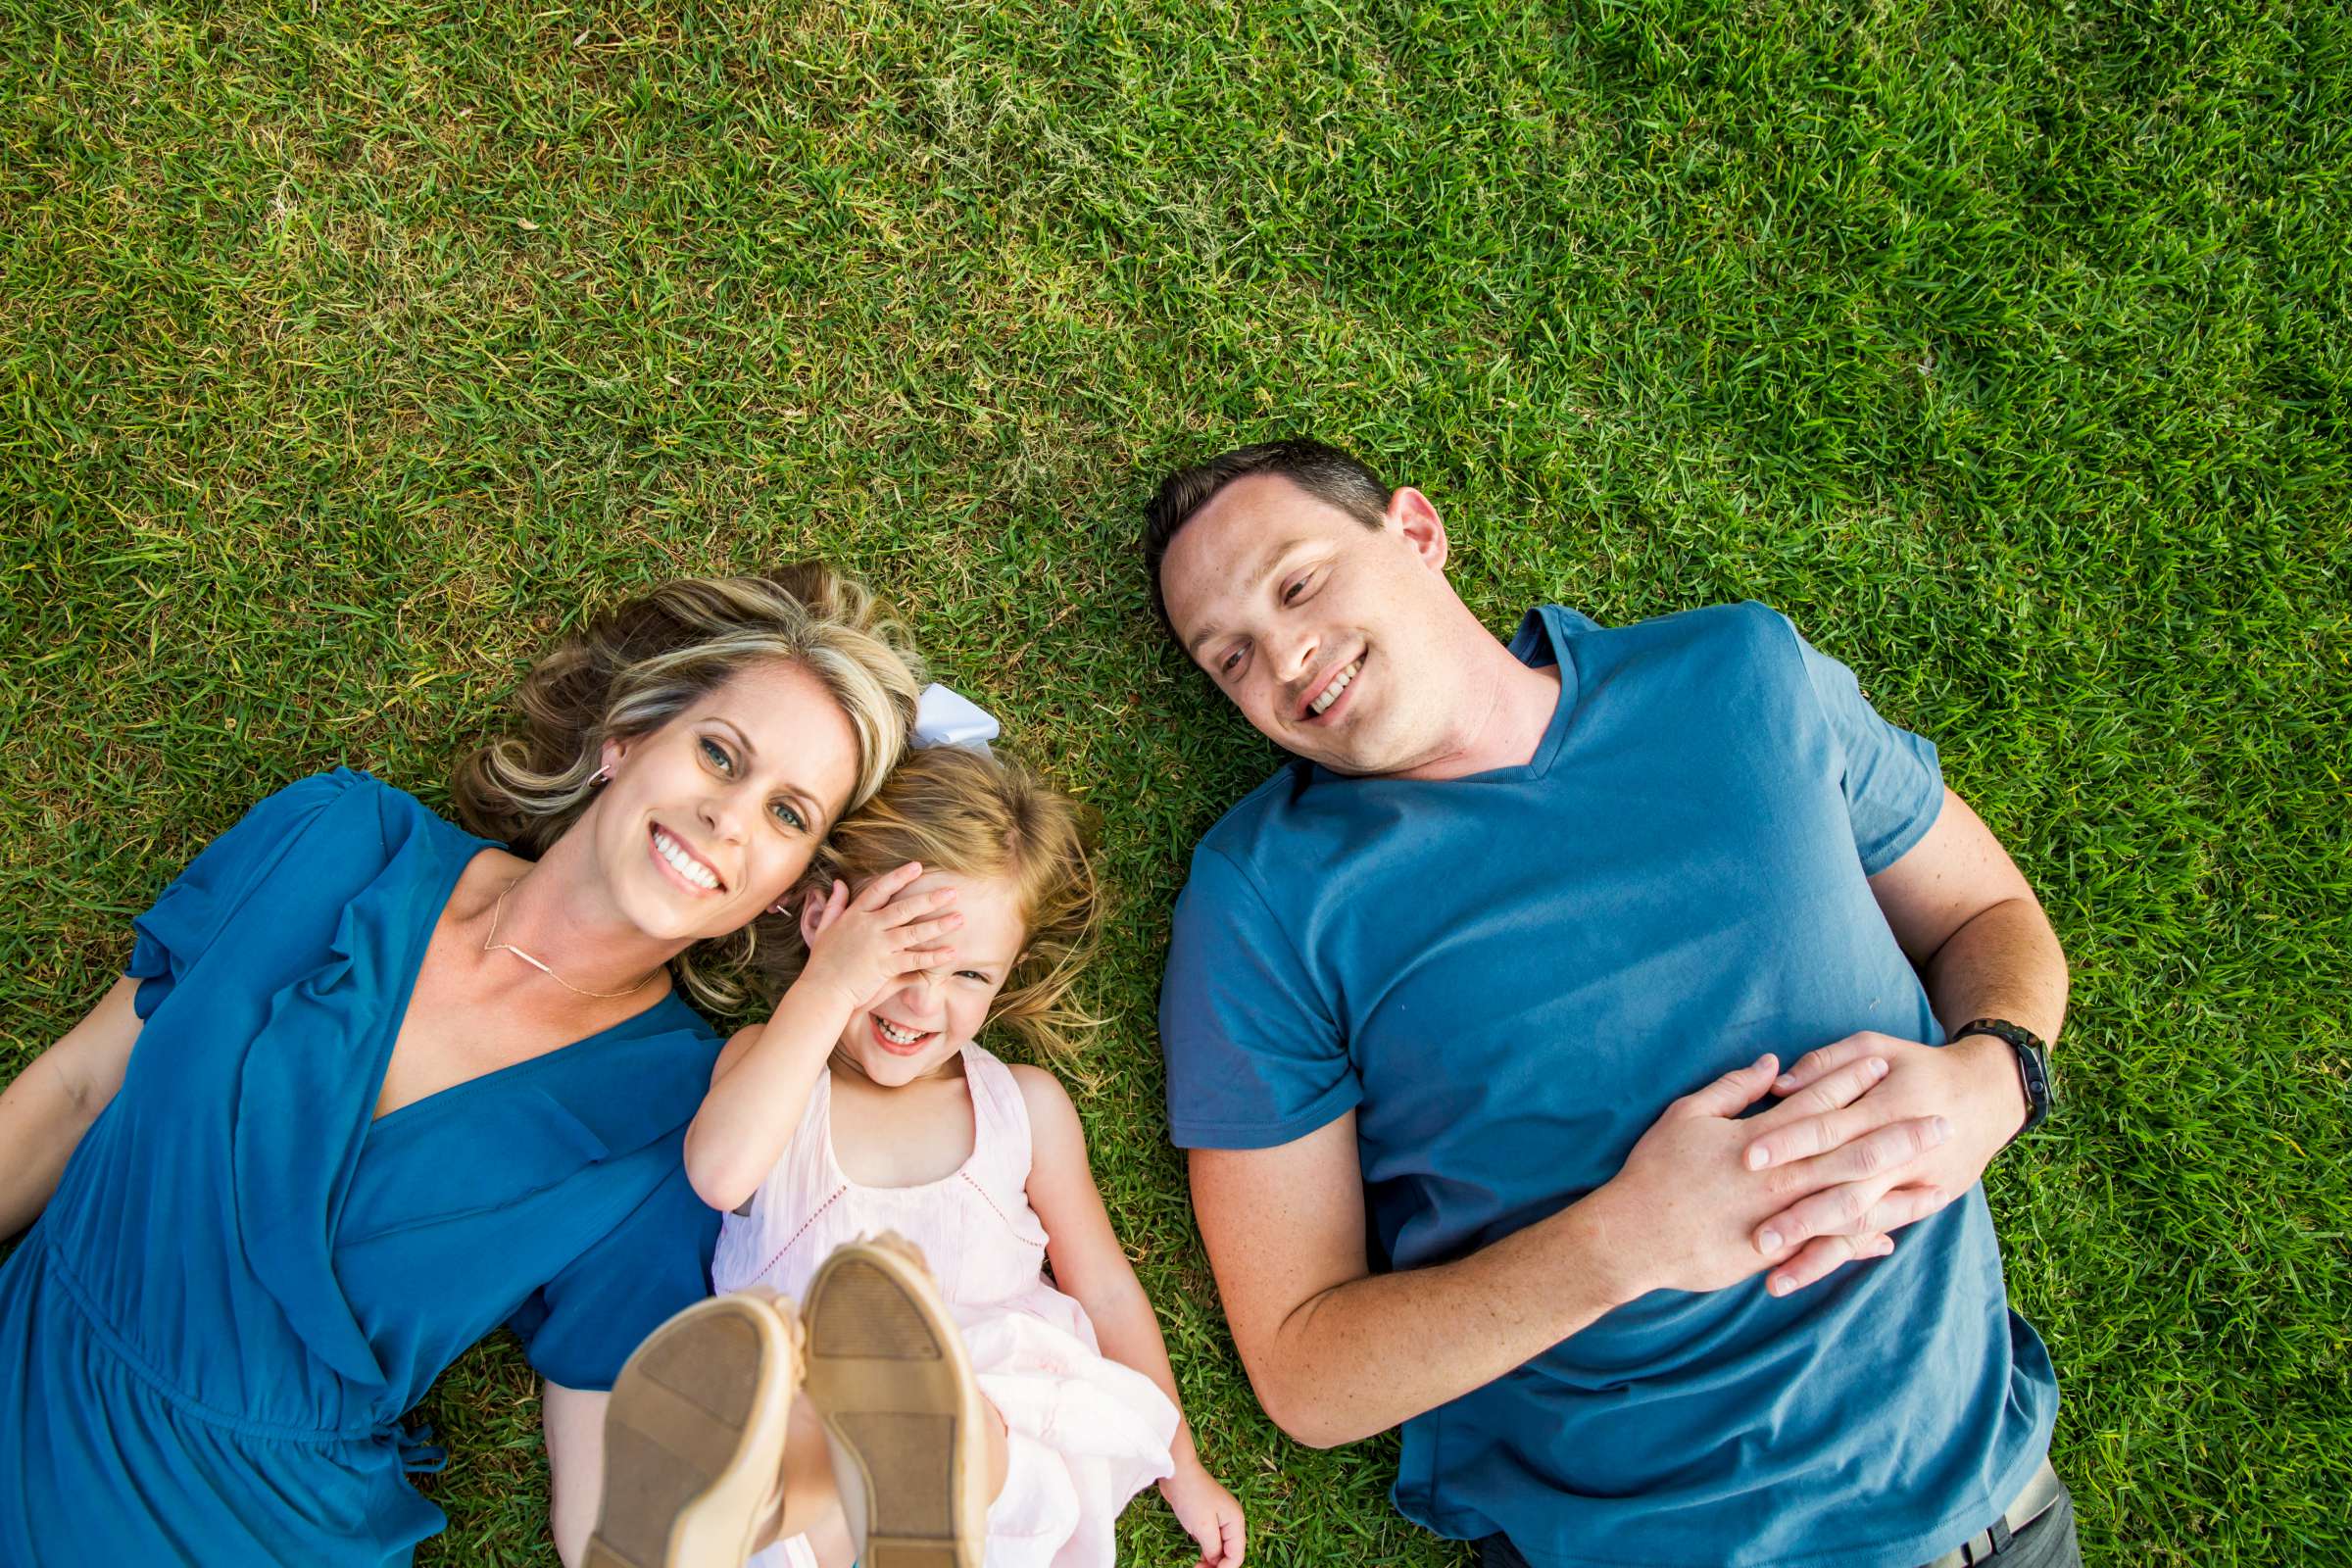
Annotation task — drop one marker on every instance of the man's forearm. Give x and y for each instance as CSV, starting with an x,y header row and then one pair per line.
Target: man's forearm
x,y
1365,1355
2005,963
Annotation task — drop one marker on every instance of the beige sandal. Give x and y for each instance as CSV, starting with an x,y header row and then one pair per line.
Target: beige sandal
x,y
694,1436
887,1370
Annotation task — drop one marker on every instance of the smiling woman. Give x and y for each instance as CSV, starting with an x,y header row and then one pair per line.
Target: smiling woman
x,y
400,1083
644,664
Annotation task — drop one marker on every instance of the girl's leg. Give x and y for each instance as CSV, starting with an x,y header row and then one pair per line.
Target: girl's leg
x,y
888,1372
998,1450
813,1505
709,1455
696,1434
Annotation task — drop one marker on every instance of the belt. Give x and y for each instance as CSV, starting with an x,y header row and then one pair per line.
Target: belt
x,y
1990,1542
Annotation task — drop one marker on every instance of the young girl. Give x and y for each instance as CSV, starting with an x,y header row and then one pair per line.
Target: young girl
x,y
961,897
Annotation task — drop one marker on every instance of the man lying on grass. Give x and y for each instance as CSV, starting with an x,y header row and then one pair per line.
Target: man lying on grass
x,y
1448,971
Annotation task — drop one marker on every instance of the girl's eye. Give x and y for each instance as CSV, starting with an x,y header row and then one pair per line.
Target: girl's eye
x,y
971,974
791,818
717,754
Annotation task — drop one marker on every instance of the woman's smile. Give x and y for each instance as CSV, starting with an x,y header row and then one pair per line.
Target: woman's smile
x,y
685,867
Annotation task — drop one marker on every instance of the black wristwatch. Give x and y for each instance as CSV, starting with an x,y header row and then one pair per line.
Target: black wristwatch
x,y
2032,1065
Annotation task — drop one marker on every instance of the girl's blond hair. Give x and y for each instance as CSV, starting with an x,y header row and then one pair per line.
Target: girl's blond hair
x,y
637,666
971,814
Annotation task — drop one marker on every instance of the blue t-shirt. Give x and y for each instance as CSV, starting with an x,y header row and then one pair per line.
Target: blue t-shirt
x,y
1508,977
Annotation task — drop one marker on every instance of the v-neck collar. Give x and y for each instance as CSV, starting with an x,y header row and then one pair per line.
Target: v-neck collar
x,y
458,849
1537,644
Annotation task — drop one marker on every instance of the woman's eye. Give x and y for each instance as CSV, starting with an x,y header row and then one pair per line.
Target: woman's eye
x,y
717,754
791,818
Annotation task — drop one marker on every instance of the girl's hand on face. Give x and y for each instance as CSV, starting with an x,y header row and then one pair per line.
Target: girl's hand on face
x,y
1209,1514
860,947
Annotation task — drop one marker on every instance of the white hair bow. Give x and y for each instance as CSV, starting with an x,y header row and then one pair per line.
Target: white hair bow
x,y
943,718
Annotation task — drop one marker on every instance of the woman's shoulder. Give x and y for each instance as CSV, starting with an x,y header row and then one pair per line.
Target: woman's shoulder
x,y
342,827
307,798
290,828
286,870
347,803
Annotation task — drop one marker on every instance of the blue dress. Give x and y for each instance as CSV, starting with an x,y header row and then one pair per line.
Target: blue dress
x,y
208,1341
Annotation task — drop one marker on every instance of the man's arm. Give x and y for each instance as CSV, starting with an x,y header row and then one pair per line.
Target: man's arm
x,y
1337,1353
1971,925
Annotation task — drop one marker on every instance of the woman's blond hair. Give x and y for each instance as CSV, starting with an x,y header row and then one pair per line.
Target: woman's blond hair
x,y
638,665
967,813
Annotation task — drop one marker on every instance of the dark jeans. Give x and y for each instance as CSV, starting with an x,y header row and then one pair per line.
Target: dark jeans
x,y
2047,1542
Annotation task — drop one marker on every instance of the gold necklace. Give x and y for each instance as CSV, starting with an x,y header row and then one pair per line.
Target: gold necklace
x,y
491,944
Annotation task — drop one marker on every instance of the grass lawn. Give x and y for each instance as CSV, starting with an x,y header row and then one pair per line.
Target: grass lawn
x,y
350,350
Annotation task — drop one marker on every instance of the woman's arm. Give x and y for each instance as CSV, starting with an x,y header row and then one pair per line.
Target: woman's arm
x,y
1090,1265
52,1103
574,1420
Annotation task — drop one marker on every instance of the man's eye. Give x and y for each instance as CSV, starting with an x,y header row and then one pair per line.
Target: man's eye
x,y
1298,590
1231,662
717,754
792,818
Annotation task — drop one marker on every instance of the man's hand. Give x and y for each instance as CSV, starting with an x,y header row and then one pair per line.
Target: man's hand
x,y
1971,1084
1687,1210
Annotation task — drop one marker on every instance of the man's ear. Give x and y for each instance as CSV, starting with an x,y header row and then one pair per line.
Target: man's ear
x,y
1411,514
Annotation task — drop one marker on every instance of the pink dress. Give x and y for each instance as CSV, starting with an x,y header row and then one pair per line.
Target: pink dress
x,y
1086,1434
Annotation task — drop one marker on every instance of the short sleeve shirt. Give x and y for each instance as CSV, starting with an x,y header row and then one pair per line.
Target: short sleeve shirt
x,y
1507,977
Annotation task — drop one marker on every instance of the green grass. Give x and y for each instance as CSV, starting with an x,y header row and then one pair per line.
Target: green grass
x,y
349,351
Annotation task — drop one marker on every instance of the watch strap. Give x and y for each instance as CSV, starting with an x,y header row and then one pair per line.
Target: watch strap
x,y
2032,1064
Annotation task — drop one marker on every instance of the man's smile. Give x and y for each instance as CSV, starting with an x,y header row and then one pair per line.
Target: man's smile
x,y
1330,689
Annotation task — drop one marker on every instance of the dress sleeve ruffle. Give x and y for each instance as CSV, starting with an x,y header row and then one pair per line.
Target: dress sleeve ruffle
x,y
579,1327
189,913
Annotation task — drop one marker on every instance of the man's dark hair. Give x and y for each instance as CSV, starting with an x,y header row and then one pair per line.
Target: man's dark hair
x,y
1325,472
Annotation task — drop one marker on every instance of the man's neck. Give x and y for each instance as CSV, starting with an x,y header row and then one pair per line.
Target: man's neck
x,y
1508,708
